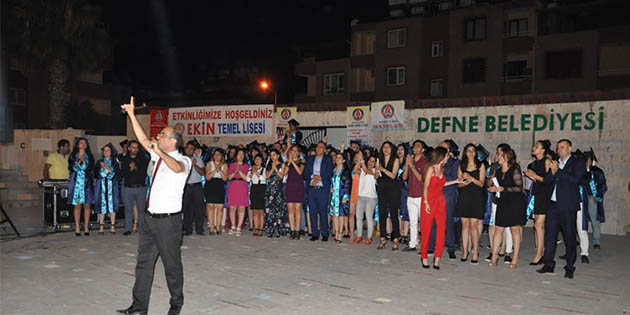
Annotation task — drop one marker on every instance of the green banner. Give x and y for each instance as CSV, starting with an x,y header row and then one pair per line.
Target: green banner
x,y
573,121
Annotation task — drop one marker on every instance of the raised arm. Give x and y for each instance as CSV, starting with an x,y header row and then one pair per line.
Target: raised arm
x,y
137,128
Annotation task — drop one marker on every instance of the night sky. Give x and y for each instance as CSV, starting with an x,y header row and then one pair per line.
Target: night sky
x,y
173,45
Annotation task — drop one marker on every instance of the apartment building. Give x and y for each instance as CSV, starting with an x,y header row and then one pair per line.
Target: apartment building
x,y
466,48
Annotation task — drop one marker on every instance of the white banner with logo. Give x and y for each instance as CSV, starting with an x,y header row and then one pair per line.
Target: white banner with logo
x,y
388,115
221,121
283,115
358,123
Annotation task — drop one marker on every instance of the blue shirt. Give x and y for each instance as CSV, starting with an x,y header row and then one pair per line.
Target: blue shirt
x,y
317,166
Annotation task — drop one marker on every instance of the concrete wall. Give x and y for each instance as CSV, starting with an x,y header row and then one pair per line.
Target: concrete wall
x,y
610,144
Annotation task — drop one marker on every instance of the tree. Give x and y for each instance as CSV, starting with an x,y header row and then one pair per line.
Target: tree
x,y
64,36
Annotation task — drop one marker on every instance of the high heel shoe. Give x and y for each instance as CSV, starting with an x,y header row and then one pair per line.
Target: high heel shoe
x,y
536,263
382,244
395,245
425,266
436,267
77,233
101,227
493,263
512,266
464,259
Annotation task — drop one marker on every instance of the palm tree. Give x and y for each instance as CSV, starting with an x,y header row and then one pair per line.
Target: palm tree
x,y
64,36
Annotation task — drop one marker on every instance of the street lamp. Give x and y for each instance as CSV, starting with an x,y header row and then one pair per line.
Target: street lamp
x,y
265,86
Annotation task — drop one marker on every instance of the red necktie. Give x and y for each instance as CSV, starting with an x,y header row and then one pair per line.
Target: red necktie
x,y
153,181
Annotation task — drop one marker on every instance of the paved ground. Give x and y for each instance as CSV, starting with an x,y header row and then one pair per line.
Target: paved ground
x,y
63,274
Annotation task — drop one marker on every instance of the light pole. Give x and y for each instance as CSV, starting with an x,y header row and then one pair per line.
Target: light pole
x,y
265,86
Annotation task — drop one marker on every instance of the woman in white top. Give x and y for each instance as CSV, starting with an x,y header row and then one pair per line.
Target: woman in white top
x,y
214,191
257,176
367,199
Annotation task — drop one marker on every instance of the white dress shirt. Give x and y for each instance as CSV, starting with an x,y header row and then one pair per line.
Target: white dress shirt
x,y
167,187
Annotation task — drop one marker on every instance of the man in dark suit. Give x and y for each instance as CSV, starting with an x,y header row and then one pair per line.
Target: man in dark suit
x,y
318,173
565,176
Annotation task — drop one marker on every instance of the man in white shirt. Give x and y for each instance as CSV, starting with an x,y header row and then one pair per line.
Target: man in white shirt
x,y
161,232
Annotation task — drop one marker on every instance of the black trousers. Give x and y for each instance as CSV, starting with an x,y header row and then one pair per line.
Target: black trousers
x,y
159,237
388,203
194,208
560,220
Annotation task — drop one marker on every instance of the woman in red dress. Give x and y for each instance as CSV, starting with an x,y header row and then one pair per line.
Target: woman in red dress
x,y
434,206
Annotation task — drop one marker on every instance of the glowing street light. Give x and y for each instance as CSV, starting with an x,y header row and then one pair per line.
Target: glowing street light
x,y
264,85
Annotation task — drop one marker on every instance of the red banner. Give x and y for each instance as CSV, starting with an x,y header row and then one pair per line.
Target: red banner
x,y
159,120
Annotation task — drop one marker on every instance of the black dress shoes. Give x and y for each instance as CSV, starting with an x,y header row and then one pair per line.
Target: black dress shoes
x,y
568,274
585,259
324,238
545,269
313,238
174,310
563,257
451,256
132,310
409,249
127,233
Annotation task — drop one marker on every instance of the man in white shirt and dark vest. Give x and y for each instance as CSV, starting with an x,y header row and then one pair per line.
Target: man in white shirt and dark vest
x,y
161,232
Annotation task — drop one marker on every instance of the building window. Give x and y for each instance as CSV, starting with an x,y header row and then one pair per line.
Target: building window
x,y
514,70
475,29
437,48
474,70
565,64
396,76
437,87
17,96
397,38
334,84
515,28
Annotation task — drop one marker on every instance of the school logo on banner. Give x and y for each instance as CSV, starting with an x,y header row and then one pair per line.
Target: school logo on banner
x,y
358,124
283,115
357,114
158,120
388,115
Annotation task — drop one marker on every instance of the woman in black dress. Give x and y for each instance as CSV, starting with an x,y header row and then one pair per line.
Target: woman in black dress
x,y
508,182
214,191
470,201
542,193
258,178
388,193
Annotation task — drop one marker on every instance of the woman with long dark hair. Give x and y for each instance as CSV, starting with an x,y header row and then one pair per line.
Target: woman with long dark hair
x,y
388,193
403,218
276,218
470,200
238,193
295,190
107,187
257,177
81,185
508,182
340,196
433,207
214,191
541,193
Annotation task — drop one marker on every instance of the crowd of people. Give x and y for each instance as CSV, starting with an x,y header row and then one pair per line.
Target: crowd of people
x,y
397,191
410,194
